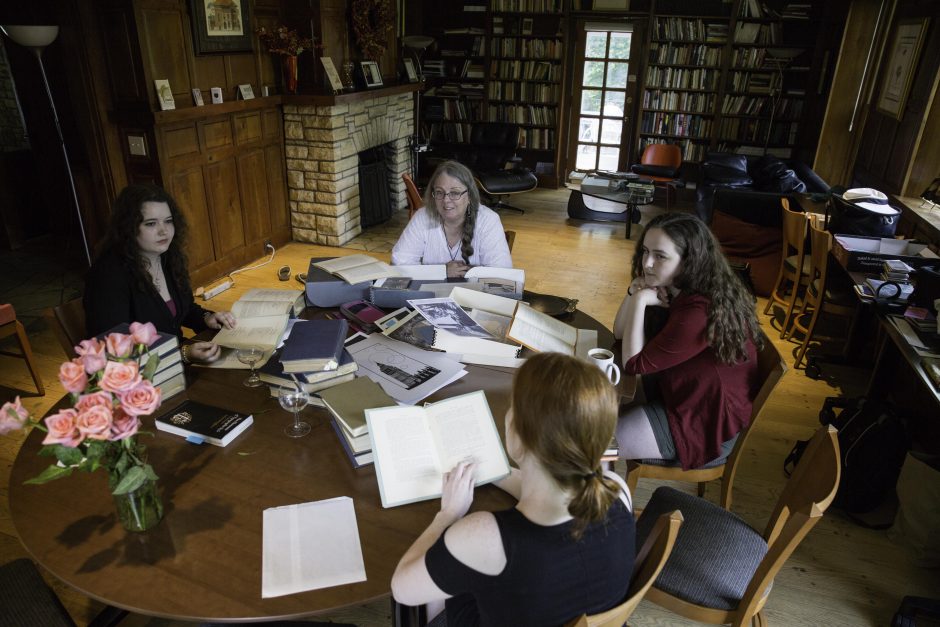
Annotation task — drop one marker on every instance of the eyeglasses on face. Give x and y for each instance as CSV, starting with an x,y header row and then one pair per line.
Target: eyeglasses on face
x,y
439,195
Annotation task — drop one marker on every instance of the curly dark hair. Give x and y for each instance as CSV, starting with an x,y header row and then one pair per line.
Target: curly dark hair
x,y
126,219
460,172
732,319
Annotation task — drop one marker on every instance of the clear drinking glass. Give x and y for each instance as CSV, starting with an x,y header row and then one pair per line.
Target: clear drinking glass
x,y
251,356
294,400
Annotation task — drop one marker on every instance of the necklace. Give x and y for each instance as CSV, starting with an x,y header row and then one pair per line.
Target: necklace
x,y
453,255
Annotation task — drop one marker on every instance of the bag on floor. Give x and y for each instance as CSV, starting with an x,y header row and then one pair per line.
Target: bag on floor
x,y
872,444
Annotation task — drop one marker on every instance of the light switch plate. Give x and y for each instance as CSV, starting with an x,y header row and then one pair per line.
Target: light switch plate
x,y
136,145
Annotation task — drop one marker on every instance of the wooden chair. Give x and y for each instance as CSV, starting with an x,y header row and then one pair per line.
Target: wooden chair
x,y
660,163
9,325
68,322
820,297
415,201
721,569
794,269
649,562
770,369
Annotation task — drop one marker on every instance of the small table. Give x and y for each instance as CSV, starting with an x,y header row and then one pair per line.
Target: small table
x,y
632,192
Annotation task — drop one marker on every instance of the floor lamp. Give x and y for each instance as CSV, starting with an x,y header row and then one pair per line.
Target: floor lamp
x,y
36,38
417,44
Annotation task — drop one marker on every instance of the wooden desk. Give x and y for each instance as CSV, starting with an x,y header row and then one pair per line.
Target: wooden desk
x,y
203,561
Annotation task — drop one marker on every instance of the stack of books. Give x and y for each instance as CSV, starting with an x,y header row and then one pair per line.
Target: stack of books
x,y
921,319
169,375
348,403
896,270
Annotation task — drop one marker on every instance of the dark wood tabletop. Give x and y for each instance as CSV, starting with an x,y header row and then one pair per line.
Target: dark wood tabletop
x,y
203,561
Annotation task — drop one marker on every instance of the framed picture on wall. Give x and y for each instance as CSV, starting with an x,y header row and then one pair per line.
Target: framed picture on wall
x,y
371,73
410,72
220,27
902,60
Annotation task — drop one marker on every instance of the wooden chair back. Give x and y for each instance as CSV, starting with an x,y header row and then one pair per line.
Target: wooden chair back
x,y
789,279
649,562
9,325
415,201
668,155
770,369
795,224
68,322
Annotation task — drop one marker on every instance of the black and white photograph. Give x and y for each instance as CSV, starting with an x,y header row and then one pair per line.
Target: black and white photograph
x,y
445,314
415,330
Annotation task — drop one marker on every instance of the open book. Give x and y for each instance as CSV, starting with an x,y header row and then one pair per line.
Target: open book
x,y
494,314
415,446
540,332
262,316
357,268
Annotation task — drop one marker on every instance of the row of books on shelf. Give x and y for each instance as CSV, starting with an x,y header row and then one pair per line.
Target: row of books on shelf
x,y
769,59
464,30
685,54
756,105
449,132
455,109
526,70
533,92
755,82
756,150
528,6
789,11
756,130
684,78
680,100
679,124
476,49
756,33
690,30
454,90
691,150
526,48
522,114
538,139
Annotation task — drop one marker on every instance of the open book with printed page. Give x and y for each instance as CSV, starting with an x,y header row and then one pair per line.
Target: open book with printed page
x,y
542,333
357,268
262,316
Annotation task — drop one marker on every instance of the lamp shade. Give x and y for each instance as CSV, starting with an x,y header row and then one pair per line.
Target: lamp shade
x,y
32,36
418,42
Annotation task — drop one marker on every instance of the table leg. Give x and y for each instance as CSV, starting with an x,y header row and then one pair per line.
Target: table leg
x,y
631,207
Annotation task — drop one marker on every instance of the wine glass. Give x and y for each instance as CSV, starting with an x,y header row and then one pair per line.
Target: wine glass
x,y
294,399
250,356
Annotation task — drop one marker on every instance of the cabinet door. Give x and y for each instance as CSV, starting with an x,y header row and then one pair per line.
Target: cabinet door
x,y
189,189
225,207
252,176
277,200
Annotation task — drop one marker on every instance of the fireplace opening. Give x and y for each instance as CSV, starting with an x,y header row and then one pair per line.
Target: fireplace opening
x,y
376,180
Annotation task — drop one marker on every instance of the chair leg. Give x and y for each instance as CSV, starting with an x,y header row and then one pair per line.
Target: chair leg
x,y
791,304
28,355
807,336
502,205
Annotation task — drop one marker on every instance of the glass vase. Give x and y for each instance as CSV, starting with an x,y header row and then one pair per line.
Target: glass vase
x,y
140,509
290,73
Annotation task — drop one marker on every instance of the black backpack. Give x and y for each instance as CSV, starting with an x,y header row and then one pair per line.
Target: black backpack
x,y
873,441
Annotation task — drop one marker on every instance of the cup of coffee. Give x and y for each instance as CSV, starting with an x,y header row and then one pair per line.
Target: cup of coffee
x,y
604,359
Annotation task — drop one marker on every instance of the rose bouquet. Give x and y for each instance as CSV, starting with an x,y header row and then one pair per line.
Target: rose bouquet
x,y
109,393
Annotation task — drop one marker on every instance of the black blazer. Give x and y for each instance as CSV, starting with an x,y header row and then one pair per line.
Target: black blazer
x,y
111,298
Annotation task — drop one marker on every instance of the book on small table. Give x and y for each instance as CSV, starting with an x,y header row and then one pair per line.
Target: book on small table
x,y
200,423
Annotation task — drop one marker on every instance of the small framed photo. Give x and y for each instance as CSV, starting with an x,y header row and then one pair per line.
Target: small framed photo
x,y
245,92
164,94
336,84
197,97
410,72
216,95
527,25
905,50
371,73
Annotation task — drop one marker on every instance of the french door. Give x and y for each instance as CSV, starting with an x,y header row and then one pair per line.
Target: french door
x,y
603,100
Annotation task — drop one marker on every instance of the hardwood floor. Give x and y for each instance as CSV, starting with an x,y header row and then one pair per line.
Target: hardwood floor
x,y
842,574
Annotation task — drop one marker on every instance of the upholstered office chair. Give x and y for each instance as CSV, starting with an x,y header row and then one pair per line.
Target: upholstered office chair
x,y
721,569
793,275
415,201
25,599
649,562
770,369
660,163
9,325
821,297
68,322
493,148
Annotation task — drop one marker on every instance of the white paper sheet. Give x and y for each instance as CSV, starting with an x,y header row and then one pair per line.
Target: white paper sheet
x,y
309,546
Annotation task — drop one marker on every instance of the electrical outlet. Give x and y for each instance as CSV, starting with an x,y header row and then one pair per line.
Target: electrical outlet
x,y
267,245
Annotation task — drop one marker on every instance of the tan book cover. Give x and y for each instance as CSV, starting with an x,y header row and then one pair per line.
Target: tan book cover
x,y
348,402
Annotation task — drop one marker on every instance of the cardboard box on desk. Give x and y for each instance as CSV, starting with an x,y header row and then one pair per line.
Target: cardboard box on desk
x,y
868,254
325,290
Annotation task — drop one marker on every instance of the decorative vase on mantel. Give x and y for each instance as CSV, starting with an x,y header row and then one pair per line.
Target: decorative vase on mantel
x,y
289,67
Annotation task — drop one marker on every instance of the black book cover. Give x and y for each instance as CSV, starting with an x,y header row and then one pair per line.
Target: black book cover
x,y
205,422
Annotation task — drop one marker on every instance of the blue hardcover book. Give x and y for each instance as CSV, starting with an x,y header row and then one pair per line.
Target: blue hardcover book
x,y
363,458
272,372
314,345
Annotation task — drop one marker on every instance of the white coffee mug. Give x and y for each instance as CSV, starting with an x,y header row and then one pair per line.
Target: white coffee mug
x,y
604,359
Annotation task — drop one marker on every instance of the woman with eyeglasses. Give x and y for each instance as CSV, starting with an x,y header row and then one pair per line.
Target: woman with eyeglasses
x,y
453,228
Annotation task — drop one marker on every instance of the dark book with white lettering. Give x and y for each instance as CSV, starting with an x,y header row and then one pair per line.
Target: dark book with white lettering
x,y
314,345
203,423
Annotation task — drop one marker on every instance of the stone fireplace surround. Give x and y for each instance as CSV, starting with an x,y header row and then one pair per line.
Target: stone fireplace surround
x,y
321,149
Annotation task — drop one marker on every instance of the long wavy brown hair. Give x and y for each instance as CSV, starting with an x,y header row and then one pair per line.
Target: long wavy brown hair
x,y
461,173
121,240
732,319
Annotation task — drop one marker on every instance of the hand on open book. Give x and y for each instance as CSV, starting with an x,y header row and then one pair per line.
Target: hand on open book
x,y
204,351
457,494
456,269
219,319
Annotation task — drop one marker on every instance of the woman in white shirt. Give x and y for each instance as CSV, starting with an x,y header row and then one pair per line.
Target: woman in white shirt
x,y
453,228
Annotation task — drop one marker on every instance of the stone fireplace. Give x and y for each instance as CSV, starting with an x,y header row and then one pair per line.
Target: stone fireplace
x,y
322,147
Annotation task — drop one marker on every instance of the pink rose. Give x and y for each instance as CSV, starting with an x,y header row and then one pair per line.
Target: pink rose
x,y
13,416
72,376
141,400
144,333
119,345
96,399
124,426
91,352
120,376
95,423
62,429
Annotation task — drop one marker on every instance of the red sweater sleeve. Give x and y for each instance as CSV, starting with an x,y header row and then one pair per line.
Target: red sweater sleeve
x,y
681,339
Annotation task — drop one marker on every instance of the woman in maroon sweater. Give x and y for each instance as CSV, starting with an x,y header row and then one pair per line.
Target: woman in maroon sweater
x,y
698,371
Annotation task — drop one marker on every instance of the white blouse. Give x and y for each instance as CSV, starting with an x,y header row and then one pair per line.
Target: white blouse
x,y
423,242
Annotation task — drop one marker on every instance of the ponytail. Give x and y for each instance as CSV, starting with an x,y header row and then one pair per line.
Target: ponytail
x,y
466,247
591,500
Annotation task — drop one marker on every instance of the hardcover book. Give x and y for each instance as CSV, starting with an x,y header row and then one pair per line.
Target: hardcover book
x,y
314,345
349,401
273,373
357,449
203,423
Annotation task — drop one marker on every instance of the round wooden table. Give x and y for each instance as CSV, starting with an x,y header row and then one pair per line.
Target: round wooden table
x,y
203,561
